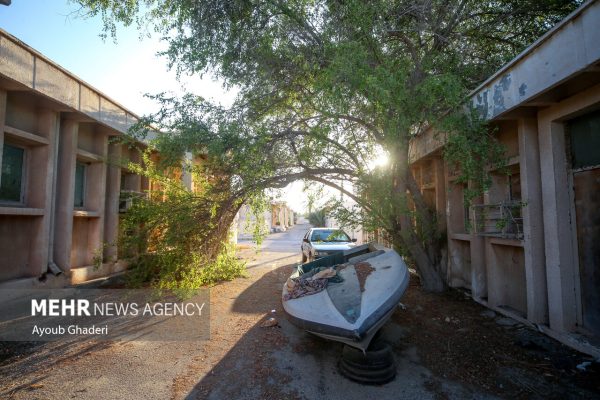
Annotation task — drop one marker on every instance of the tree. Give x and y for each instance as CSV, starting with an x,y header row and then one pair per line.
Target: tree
x,y
324,83
318,218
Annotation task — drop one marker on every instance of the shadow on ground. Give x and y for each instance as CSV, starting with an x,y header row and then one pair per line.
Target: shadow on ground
x,y
444,348
284,362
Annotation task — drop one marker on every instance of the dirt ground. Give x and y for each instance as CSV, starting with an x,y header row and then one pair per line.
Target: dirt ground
x,y
445,345
444,333
463,341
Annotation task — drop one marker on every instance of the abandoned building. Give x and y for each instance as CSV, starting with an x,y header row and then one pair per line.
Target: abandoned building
x,y
59,199
529,248
277,217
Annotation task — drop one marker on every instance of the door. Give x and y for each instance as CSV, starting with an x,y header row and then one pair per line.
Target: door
x,y
585,161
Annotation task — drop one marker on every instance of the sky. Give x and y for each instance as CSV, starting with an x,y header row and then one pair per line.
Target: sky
x,y
124,71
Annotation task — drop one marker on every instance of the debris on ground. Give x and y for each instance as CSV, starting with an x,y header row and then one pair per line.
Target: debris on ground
x,y
515,363
269,323
583,366
363,270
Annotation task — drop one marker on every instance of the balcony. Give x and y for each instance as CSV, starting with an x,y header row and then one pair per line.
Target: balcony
x,y
503,220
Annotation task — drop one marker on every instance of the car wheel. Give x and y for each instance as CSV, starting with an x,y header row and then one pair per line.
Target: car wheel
x,y
303,258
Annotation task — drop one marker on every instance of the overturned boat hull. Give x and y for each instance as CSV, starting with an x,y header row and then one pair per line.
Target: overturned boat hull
x,y
374,278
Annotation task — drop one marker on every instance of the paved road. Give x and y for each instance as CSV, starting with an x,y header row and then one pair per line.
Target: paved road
x,y
283,242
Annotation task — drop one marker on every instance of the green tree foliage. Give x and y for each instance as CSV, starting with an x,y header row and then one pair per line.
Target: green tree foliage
x,y
322,84
318,218
176,238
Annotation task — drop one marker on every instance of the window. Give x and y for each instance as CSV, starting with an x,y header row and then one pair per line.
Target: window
x,y
585,140
466,213
514,187
79,184
11,181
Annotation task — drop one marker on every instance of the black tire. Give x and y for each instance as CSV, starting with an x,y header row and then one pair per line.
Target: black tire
x,y
376,366
303,258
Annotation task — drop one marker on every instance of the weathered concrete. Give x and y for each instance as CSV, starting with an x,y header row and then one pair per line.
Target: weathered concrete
x,y
566,50
63,229
24,65
534,277
533,227
113,190
58,120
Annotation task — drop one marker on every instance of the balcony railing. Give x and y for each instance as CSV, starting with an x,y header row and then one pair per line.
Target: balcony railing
x,y
503,220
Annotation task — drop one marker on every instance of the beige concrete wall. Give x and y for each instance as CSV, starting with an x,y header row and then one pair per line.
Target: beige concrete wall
x,y
31,70
246,222
58,120
533,277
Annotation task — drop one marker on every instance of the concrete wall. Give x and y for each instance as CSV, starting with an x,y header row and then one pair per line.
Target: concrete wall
x,y
532,275
58,121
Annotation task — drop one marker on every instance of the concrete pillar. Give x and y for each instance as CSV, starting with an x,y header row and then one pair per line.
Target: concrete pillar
x,y
440,192
95,198
557,226
186,176
111,209
533,226
2,122
40,184
479,267
65,188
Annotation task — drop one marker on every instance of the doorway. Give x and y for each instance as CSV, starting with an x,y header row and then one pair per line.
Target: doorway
x,y
584,143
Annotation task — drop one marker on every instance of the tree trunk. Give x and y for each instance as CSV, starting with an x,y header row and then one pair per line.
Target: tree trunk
x,y
425,254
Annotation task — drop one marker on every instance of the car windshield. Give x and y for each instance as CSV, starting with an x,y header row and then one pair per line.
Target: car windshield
x,y
333,235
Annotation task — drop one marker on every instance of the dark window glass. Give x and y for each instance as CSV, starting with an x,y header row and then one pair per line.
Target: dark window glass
x,y
466,214
585,140
514,187
12,173
79,184
334,235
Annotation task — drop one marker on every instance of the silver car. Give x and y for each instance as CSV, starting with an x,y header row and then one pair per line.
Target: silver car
x,y
322,242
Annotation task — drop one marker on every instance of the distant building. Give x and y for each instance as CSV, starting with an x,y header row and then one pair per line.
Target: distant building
x,y
279,217
246,222
282,217
530,247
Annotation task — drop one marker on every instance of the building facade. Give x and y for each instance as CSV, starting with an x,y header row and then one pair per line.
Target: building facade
x,y
247,221
61,183
530,246
282,216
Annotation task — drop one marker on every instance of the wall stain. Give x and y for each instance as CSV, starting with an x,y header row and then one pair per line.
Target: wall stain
x,y
499,90
481,103
522,89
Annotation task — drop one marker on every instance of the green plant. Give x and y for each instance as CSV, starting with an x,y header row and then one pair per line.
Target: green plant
x,y
258,206
176,238
317,218
323,84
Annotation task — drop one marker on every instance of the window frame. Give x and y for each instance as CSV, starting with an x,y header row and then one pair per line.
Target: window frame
x,y
24,170
84,185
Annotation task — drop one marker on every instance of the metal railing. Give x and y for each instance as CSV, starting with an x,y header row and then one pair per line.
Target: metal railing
x,y
503,220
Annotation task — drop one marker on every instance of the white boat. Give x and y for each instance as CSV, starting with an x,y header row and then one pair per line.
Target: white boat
x,y
342,311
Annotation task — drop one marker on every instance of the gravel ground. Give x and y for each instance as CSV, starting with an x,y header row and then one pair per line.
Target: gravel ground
x,y
445,346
